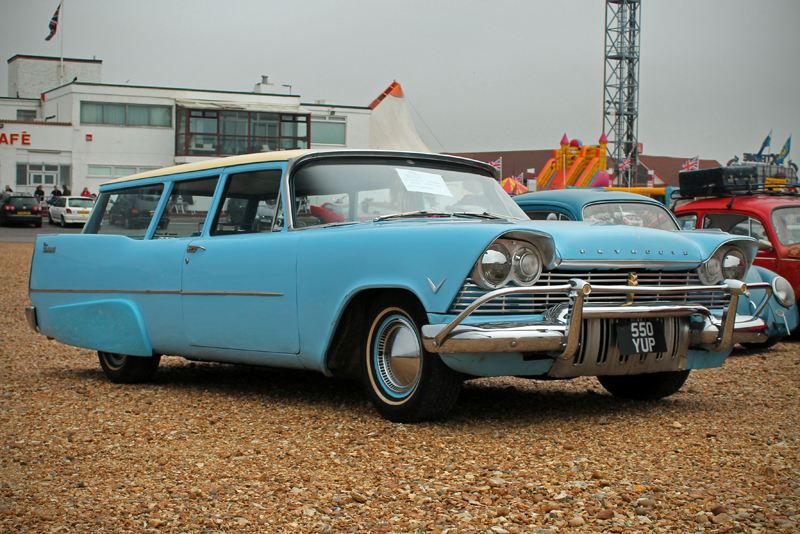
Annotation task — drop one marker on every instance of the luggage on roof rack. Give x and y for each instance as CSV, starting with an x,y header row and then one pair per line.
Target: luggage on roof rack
x,y
735,179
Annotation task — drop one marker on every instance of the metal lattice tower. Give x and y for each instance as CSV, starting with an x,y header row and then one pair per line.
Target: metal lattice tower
x,y
621,89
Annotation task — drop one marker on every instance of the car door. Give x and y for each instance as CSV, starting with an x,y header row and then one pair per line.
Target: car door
x,y
239,277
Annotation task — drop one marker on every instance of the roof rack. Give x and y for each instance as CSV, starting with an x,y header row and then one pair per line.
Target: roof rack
x,y
739,179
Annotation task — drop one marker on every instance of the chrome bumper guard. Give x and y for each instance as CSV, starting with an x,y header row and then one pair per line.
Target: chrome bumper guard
x,y
560,330
30,315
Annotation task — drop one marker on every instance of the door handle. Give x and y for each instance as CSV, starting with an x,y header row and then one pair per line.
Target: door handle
x,y
194,248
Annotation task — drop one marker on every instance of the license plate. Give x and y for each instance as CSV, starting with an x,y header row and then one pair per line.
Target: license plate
x,y
641,337
23,213
83,213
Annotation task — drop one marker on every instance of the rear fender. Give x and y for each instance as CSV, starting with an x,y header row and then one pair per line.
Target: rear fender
x,y
108,325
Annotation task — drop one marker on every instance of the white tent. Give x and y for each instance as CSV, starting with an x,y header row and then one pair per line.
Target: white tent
x,y
390,124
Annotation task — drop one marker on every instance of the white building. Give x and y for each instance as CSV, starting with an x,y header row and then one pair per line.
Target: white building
x,y
83,133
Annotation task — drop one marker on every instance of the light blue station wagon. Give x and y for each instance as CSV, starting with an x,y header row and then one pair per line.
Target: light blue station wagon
x,y
413,271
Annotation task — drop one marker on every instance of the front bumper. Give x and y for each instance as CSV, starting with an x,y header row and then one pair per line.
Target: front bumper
x,y
559,334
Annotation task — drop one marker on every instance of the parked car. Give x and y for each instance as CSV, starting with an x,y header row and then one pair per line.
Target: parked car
x,y
598,205
70,210
133,211
771,218
20,208
413,301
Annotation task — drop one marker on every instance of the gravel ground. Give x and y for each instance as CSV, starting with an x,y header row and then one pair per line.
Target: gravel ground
x,y
220,448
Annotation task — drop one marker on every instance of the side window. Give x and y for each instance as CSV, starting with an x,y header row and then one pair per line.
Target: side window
x,y
687,221
546,215
757,230
249,203
126,212
187,209
728,222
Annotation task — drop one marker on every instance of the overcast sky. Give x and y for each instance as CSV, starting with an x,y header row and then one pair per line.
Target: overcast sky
x,y
716,75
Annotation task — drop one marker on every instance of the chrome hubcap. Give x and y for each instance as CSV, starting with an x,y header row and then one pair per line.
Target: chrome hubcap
x,y
399,356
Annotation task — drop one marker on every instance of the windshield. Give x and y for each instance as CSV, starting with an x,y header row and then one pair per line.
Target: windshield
x,y
630,213
786,222
350,191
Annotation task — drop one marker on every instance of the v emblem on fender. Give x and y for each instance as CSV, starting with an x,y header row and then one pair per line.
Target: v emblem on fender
x,y
435,287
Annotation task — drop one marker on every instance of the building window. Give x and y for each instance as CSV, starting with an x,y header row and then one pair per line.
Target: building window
x,y
43,174
26,114
328,130
112,172
231,132
125,114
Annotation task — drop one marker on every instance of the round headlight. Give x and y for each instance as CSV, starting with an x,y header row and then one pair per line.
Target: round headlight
x,y
783,291
710,272
495,265
734,265
527,265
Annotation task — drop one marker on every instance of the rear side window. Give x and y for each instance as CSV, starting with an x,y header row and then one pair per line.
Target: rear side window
x,y
249,203
187,209
126,212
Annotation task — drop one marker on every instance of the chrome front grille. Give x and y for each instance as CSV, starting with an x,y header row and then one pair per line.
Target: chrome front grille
x,y
538,304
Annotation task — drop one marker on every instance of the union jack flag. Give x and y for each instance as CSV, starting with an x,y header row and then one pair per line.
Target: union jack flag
x,y
625,164
692,164
53,24
518,178
497,164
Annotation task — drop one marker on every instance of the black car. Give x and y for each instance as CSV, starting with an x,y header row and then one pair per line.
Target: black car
x,y
133,211
20,208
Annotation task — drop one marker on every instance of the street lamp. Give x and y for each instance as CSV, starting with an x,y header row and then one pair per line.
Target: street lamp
x,y
290,88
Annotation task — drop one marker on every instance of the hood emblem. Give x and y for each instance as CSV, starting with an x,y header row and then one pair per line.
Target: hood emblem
x,y
633,280
47,249
434,287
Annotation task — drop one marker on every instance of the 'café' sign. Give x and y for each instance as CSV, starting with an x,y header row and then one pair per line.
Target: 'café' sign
x,y
12,138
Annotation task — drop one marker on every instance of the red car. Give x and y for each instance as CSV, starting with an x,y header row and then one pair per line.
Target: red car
x,y
772,218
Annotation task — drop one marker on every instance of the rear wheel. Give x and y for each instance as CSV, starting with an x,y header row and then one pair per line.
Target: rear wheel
x,y
125,369
405,383
650,386
38,224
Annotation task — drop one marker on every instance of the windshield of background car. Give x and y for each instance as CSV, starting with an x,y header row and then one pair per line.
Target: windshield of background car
x,y
631,214
359,191
786,222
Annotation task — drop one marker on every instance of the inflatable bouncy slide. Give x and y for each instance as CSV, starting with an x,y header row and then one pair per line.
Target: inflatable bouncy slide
x,y
575,165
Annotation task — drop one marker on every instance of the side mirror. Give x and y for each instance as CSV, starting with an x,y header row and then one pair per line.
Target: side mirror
x,y
765,245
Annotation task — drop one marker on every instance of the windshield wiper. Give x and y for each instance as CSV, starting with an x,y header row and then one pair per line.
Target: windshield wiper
x,y
476,215
412,214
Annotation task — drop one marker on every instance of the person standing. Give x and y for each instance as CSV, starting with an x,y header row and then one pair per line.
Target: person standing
x,y
67,191
56,192
85,192
8,189
39,193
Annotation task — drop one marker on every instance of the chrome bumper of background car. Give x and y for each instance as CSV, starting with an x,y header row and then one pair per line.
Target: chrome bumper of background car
x,y
561,331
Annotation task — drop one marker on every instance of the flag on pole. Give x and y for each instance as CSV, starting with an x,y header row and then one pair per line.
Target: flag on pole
x,y
784,151
625,164
518,177
53,24
764,145
498,164
692,164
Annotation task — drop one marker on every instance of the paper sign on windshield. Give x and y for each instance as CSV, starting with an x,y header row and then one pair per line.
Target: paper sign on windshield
x,y
424,182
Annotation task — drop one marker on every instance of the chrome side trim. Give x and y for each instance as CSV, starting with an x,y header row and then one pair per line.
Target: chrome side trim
x,y
30,316
164,292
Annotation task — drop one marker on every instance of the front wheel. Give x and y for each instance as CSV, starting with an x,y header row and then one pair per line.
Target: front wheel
x,y
63,222
125,369
50,218
650,386
405,383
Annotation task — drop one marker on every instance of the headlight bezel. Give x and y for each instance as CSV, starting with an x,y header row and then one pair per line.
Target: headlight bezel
x,y
513,250
713,271
788,300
